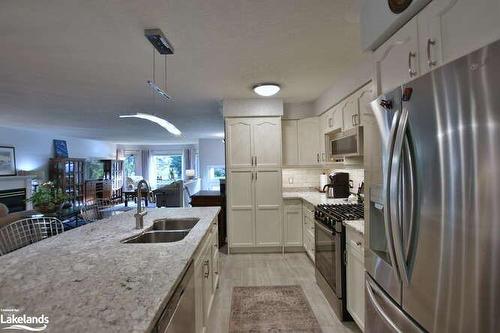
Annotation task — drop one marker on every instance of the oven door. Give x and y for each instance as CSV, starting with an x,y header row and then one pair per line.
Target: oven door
x,y
329,257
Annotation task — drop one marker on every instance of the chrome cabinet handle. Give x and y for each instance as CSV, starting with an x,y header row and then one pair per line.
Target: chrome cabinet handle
x,y
252,175
323,157
255,160
353,120
430,42
317,157
256,175
387,195
330,122
206,274
410,66
394,190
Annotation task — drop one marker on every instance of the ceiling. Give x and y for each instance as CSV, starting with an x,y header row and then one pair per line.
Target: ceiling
x,y
73,66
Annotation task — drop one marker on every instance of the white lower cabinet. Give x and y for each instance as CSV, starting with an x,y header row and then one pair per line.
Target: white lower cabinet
x,y
308,229
206,265
355,277
293,222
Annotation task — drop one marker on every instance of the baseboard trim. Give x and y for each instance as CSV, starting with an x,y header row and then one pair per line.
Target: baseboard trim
x,y
267,249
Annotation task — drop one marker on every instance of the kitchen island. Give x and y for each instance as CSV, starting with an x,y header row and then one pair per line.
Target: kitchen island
x,y
87,280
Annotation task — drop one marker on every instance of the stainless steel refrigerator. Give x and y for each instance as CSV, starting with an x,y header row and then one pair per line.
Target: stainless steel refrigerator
x,y
433,260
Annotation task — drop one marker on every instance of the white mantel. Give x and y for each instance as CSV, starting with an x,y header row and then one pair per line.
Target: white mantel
x,y
15,182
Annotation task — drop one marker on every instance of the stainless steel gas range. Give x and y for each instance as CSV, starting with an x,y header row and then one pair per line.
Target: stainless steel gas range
x,y
330,252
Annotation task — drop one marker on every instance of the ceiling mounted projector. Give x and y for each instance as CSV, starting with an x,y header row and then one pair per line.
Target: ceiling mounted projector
x,y
159,41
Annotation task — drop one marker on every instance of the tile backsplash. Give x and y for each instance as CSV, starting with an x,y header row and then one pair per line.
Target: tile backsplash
x,y
301,177
309,177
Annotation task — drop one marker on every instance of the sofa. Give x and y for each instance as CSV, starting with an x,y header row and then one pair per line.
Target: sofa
x,y
6,217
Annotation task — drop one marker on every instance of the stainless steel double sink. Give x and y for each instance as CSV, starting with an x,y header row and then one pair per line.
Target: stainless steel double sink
x,y
164,231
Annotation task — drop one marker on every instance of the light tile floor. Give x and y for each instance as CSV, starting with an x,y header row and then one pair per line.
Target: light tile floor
x,y
268,270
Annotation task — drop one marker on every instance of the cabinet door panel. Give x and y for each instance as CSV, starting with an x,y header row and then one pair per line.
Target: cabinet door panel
x,y
350,112
290,142
267,142
240,212
355,286
308,129
207,285
293,226
268,199
396,56
239,143
448,23
364,96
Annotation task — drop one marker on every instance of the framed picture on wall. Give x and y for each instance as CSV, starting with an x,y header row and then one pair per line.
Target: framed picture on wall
x,y
60,148
7,161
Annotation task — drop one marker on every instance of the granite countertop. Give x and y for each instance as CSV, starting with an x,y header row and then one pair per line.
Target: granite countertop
x,y
311,195
356,225
86,280
314,197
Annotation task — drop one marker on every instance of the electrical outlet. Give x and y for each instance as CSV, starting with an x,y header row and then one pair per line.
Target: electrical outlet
x,y
290,180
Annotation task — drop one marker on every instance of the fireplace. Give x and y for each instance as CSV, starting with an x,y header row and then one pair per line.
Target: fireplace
x,y
14,199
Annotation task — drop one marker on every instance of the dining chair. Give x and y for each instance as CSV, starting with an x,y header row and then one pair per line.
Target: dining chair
x,y
91,213
28,231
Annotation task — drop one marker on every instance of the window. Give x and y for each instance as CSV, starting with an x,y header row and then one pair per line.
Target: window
x,y
166,168
129,165
215,174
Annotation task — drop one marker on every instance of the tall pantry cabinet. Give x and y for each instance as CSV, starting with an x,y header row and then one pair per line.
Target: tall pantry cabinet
x,y
254,195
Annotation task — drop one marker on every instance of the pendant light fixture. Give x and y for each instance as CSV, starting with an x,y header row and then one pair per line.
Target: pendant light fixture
x,y
152,83
163,46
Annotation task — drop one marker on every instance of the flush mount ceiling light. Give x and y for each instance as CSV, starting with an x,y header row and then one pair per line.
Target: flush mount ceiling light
x,y
266,89
157,120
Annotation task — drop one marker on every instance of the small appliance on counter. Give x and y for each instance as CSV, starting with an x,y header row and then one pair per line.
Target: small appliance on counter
x,y
339,185
323,181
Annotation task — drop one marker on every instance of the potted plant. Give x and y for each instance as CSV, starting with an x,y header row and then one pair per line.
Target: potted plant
x,y
48,198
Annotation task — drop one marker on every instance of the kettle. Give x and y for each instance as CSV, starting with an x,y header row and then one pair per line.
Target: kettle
x,y
329,190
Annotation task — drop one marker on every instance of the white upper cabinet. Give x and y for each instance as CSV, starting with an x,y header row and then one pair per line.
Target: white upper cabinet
x,y
336,119
267,142
309,148
449,29
363,98
397,60
290,142
239,142
350,112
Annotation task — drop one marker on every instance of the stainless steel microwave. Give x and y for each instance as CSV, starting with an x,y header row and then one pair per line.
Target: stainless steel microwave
x,y
346,144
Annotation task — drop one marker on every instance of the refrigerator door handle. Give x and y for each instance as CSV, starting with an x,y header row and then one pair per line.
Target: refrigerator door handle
x,y
387,196
409,158
370,288
395,188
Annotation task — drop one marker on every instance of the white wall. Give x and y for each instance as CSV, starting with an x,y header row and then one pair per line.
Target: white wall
x,y
35,147
211,152
252,107
298,110
353,79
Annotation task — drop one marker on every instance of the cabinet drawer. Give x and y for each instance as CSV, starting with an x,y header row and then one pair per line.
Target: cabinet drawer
x,y
355,241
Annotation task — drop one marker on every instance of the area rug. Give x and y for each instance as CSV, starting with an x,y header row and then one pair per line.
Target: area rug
x,y
271,309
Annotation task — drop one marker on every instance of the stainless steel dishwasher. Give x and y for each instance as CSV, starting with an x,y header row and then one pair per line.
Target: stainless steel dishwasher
x,y
179,313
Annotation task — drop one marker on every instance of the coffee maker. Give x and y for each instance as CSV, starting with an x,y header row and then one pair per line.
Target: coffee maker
x,y
339,185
